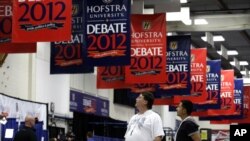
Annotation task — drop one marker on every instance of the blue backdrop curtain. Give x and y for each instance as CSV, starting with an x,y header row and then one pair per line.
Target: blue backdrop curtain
x,y
45,135
11,124
39,130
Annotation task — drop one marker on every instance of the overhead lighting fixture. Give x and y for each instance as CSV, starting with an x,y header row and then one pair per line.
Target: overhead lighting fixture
x,y
148,11
169,33
230,52
183,1
200,21
187,22
183,15
242,63
243,72
217,38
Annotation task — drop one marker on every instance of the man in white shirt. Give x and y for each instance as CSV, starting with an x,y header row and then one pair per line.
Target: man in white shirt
x,y
146,125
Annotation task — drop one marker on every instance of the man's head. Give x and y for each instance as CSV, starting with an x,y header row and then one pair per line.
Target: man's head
x,y
30,121
145,99
184,108
89,134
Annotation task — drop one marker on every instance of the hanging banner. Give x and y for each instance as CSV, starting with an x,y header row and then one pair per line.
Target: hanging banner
x,y
109,77
246,103
213,74
107,32
46,20
143,87
178,67
227,106
67,57
226,94
238,101
198,77
148,49
83,103
6,31
5,21
212,90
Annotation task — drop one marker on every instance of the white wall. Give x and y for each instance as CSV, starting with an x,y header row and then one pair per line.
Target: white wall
x,y
51,88
167,117
14,76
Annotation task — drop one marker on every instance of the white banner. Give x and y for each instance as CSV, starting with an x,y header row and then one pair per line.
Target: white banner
x,y
18,108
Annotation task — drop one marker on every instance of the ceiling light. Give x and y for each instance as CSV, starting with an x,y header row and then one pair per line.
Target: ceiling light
x,y
183,15
230,52
187,22
215,38
183,1
148,11
242,63
169,33
243,72
200,21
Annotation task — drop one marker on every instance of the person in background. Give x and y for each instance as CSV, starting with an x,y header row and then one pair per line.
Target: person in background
x,y
146,125
188,129
89,136
53,139
70,136
3,117
27,133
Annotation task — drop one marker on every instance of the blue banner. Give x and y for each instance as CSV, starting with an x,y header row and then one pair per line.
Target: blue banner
x,y
107,32
213,86
67,56
238,99
178,67
83,103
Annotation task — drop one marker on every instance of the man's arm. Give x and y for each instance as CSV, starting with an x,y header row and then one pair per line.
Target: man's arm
x,y
158,138
196,137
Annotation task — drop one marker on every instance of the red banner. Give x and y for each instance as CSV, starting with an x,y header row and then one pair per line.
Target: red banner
x,y
198,77
111,77
148,49
227,95
17,48
5,20
36,20
5,32
163,101
140,88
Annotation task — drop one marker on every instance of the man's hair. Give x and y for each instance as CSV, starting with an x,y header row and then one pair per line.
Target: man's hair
x,y
188,105
89,134
149,97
